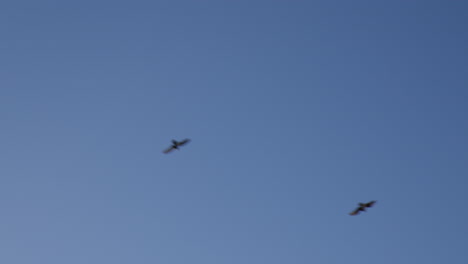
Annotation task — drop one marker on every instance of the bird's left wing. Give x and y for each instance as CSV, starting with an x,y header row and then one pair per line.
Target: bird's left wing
x,y
169,149
356,211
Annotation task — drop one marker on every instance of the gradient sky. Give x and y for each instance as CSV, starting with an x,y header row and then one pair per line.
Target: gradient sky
x,y
297,111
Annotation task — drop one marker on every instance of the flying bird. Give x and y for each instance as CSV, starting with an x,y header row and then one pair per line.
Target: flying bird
x,y
176,144
362,207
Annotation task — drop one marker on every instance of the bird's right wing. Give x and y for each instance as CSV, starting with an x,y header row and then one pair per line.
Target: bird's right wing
x,y
183,142
169,149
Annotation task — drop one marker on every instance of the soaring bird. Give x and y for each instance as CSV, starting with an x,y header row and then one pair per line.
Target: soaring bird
x,y
176,144
362,207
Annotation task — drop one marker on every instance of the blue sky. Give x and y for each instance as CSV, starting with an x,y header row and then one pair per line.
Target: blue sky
x,y
297,111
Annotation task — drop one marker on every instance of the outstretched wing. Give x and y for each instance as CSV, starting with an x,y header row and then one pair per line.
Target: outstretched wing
x,y
370,204
183,142
169,149
355,212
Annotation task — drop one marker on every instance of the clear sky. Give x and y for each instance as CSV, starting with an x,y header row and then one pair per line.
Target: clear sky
x,y
297,111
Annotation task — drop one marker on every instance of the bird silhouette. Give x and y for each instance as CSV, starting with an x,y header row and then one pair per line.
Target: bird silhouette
x,y
176,144
362,207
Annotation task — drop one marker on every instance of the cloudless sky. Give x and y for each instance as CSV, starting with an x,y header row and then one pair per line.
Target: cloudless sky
x,y
297,111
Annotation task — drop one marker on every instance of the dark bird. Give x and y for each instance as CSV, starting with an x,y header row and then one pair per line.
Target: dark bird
x,y
176,144
362,207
